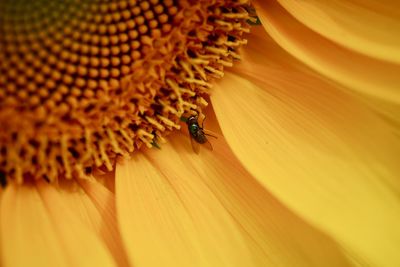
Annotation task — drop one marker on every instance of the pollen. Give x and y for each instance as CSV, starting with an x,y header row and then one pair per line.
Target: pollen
x,y
85,82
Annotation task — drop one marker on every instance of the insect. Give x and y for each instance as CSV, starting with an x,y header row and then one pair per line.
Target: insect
x,y
198,134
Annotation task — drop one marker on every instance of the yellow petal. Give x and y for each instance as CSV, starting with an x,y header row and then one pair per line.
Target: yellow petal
x,y
27,233
34,232
80,243
95,206
275,235
388,111
364,26
255,56
320,151
356,71
169,217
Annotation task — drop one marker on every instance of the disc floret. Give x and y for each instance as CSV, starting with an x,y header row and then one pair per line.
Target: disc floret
x,y
84,82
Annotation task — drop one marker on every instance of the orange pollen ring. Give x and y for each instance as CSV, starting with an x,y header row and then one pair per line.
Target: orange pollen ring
x,y
84,82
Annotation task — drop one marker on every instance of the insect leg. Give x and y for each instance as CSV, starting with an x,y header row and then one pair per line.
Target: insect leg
x,y
210,133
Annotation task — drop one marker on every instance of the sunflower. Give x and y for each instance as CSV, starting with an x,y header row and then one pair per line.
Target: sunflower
x,y
304,170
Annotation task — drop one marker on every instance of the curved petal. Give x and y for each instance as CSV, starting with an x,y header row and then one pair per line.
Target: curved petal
x,y
33,235
388,111
365,26
168,217
27,234
356,71
80,243
256,56
174,204
95,206
318,150
275,235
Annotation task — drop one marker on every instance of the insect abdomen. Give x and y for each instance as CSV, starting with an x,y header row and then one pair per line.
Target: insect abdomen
x,y
200,137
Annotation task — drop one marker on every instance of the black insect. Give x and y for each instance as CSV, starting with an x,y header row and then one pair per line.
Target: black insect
x,y
198,135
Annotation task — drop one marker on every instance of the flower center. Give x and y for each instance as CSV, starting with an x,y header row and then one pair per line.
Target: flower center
x,y
83,82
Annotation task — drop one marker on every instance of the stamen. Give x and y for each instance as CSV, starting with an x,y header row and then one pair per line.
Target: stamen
x,y
217,51
187,91
190,105
200,71
113,142
235,15
155,123
217,72
227,25
186,67
162,140
198,82
128,139
175,87
105,78
52,166
202,102
169,122
142,136
168,108
104,156
65,158
80,172
198,61
234,55
225,63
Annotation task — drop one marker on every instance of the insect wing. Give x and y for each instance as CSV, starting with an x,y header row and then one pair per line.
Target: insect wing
x,y
195,145
210,133
208,145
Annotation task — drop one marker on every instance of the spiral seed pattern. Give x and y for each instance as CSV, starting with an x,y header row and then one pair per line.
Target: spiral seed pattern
x,y
84,82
